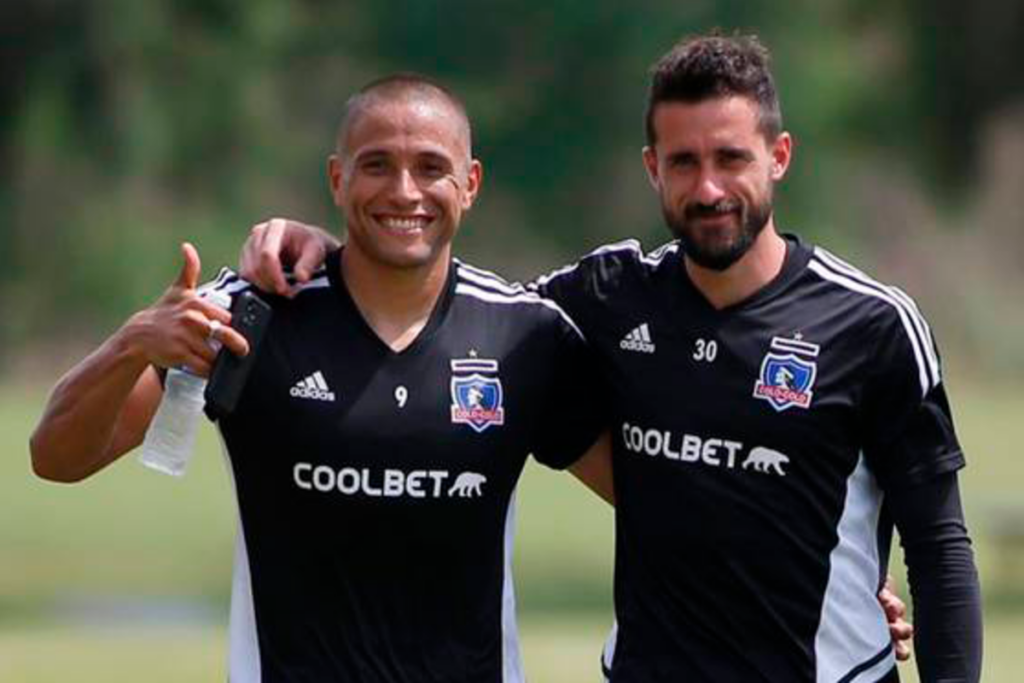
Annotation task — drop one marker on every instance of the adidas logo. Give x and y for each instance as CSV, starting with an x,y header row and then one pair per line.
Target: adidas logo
x,y
638,340
313,387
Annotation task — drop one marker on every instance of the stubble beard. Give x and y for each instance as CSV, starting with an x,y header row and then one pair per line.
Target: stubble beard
x,y
685,226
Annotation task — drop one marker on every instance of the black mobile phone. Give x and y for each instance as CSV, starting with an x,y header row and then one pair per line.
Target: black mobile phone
x,y
250,317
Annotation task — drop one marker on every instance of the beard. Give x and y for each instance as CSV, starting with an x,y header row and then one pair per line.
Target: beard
x,y
717,248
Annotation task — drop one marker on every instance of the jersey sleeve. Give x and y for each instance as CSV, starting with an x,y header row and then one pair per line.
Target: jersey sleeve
x,y
574,412
582,288
568,287
226,282
909,433
943,580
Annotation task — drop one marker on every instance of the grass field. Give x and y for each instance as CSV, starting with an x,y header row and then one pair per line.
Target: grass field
x,y
557,649
125,577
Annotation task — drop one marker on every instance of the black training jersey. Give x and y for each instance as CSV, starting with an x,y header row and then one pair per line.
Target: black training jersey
x,y
753,447
375,488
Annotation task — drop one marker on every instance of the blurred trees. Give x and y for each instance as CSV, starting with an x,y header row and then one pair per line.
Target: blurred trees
x,y
128,126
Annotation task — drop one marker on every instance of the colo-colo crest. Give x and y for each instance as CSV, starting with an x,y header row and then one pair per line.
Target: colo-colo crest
x,y
787,374
476,393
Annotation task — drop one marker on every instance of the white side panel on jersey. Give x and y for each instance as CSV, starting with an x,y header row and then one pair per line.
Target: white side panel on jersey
x,y
243,643
608,653
511,658
853,632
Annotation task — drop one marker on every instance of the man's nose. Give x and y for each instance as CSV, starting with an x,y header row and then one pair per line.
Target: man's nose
x,y
405,187
709,187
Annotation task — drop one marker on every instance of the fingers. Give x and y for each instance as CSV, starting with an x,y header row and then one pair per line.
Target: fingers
x,y
199,355
188,277
901,630
308,245
895,609
176,330
901,642
233,341
311,256
248,258
197,365
212,311
188,342
261,256
279,242
270,256
224,333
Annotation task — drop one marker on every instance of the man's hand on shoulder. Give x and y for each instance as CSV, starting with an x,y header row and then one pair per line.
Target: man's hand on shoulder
x,y
278,243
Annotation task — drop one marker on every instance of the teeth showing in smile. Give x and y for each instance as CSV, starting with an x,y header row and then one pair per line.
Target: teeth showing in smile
x,y
404,224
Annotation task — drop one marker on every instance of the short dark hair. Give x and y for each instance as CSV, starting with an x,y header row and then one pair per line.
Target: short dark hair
x,y
396,87
704,67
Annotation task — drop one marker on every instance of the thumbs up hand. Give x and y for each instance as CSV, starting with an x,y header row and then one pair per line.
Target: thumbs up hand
x,y
188,278
177,330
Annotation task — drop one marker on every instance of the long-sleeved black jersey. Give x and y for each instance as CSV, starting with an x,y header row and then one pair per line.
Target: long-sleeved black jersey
x,y
753,449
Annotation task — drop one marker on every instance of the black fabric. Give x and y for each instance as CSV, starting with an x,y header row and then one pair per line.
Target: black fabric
x,y
908,439
375,488
559,445
943,580
754,446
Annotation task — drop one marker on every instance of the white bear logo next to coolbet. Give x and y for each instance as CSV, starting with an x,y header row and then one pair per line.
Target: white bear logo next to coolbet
x,y
765,459
467,485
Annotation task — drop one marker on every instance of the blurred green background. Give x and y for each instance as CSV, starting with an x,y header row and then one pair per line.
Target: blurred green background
x,y
129,126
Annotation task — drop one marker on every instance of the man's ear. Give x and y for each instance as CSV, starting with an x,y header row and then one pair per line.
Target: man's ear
x,y
336,178
650,157
474,178
782,154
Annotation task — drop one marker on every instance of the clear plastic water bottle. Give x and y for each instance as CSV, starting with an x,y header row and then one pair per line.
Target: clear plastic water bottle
x,y
171,437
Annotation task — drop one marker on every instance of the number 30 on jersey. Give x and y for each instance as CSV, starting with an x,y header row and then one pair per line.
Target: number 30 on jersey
x,y
705,350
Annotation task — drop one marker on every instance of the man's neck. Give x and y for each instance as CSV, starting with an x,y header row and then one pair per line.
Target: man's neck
x,y
395,302
759,266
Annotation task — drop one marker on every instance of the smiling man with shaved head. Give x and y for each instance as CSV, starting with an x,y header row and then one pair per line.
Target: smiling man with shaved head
x,y
377,444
